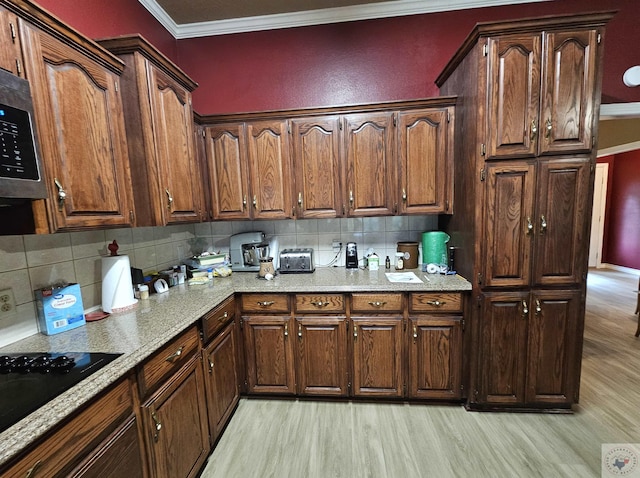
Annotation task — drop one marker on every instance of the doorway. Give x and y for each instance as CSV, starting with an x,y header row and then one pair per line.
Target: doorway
x,y
597,219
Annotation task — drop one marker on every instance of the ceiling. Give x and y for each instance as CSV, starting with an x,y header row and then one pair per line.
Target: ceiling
x,y
197,18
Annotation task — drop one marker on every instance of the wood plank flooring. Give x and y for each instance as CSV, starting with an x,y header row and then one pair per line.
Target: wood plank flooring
x,y
315,439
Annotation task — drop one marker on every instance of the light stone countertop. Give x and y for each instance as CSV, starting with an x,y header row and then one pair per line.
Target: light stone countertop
x,y
139,332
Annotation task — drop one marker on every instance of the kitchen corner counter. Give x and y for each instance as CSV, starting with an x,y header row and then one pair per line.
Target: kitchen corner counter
x,y
139,332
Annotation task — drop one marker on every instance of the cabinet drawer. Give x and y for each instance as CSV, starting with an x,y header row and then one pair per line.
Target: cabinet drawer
x,y
168,360
265,303
217,318
436,302
319,303
373,303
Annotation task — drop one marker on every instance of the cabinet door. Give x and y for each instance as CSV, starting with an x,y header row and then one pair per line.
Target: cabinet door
x,y
221,377
553,362
80,124
513,92
227,164
425,160
322,356
371,164
316,149
502,348
435,357
269,354
268,146
180,191
377,356
10,53
175,423
560,229
568,92
120,455
509,229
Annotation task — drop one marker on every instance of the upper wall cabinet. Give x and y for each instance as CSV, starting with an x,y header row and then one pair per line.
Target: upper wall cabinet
x,y
371,160
315,145
10,53
425,160
249,170
541,93
167,183
78,113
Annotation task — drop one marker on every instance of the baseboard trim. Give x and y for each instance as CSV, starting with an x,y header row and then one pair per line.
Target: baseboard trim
x,y
615,267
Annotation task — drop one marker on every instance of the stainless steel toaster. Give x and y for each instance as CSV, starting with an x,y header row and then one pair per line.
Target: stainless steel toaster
x,y
296,260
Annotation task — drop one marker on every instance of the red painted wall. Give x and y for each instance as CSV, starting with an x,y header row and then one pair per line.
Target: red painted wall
x,y
373,60
622,215
344,63
106,18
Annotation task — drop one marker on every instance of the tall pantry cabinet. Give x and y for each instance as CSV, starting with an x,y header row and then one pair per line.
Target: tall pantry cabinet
x,y
529,96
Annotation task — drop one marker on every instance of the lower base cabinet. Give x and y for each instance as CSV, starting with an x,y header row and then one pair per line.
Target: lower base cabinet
x,y
528,349
268,347
120,455
221,377
435,359
175,424
321,347
377,356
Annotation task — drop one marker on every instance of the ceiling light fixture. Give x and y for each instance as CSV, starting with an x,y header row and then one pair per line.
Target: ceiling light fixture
x,y
631,77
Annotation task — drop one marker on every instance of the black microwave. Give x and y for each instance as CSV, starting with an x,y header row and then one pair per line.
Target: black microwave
x,y
20,168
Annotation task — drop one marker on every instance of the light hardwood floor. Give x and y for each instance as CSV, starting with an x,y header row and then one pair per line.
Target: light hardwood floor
x,y
315,439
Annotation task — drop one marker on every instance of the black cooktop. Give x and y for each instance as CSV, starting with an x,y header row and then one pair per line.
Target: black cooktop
x,y
29,381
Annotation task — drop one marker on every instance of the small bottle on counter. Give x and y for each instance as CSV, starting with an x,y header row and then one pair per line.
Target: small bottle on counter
x,y
144,291
210,273
399,261
387,263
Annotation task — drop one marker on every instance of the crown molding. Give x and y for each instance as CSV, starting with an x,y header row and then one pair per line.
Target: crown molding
x,y
619,110
317,17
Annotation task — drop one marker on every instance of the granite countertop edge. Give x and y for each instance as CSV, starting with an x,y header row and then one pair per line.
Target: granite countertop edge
x,y
141,331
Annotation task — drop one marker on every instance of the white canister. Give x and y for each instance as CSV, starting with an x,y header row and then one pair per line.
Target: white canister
x,y
374,262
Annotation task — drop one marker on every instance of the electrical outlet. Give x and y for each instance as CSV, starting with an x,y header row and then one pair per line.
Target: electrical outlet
x,y
336,246
7,303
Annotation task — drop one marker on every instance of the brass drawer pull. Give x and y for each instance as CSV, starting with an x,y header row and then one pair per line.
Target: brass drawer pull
x,y
175,356
355,332
210,365
31,472
320,304
415,332
286,330
223,317
266,303
436,303
377,303
300,331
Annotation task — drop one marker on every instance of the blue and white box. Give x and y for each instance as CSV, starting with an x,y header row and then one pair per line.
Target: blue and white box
x,y
59,308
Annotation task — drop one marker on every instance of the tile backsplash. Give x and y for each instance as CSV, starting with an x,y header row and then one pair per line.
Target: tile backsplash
x,y
33,261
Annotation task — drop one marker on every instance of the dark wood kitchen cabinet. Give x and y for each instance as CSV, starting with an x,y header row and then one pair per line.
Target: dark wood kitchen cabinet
x,y
103,433
369,161
315,145
435,345
524,185
425,160
11,51
378,345
269,169
174,409
268,336
78,115
321,344
158,115
541,91
226,159
220,338
535,226
249,170
529,347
